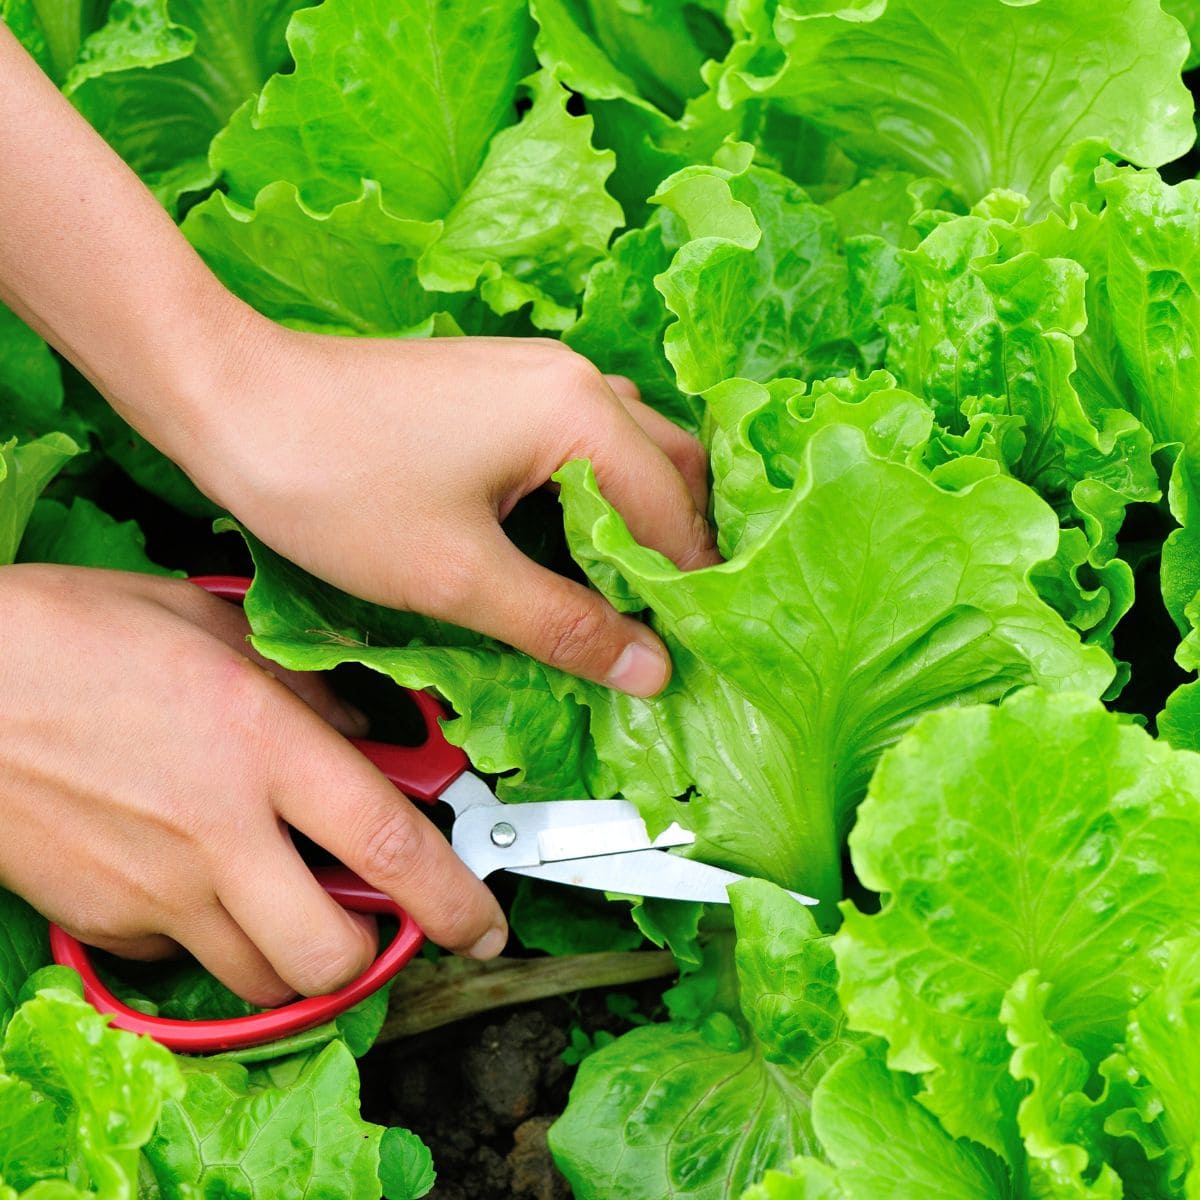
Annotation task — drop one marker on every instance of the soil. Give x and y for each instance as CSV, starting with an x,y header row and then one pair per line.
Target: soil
x,y
482,1093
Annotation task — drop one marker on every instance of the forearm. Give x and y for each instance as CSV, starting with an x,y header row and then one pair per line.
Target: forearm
x,y
93,263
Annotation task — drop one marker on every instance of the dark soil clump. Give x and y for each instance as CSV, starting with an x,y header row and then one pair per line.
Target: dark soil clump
x,y
482,1093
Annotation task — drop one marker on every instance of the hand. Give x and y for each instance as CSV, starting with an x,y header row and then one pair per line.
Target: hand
x,y
148,772
386,466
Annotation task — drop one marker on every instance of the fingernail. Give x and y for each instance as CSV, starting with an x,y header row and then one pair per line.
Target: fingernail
x,y
490,944
640,671
351,721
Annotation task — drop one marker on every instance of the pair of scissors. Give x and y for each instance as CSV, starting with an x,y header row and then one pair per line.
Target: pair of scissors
x,y
598,844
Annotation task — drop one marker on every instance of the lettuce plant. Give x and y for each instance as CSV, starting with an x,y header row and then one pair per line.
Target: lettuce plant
x,y
914,275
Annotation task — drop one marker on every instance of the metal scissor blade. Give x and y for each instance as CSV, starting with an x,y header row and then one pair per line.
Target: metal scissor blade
x,y
506,836
645,873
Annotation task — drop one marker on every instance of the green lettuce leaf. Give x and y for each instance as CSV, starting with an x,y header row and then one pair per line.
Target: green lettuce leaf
x,y
84,535
88,1096
989,95
160,114
521,203
352,270
275,1130
759,288
25,469
31,390
1187,12
1058,828
701,1109
623,318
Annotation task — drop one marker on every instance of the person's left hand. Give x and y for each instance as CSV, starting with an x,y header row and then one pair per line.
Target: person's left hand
x,y
385,466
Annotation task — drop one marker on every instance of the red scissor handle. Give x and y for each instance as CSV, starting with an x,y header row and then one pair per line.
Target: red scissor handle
x,y
205,1037
422,772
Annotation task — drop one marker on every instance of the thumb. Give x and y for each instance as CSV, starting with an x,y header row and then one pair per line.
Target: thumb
x,y
562,623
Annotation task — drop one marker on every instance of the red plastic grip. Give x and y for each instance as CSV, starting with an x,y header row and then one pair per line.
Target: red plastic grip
x,y
422,772
205,1037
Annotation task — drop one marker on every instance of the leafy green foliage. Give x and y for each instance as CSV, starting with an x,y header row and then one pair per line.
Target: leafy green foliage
x,y
906,267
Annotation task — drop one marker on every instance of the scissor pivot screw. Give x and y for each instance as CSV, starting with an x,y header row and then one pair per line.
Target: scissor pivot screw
x,y
503,834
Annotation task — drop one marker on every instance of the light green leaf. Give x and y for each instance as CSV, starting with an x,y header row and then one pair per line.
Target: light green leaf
x,y
246,1135
405,1165
310,129
1060,1125
25,469
759,289
533,219
623,318
136,34
161,108
652,1113
1188,13
887,1146
989,94
106,1088
84,535
1058,828
354,269
1161,1045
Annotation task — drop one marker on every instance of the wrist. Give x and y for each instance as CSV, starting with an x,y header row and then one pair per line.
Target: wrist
x,y
195,400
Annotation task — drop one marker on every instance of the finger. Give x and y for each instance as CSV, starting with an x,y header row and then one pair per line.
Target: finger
x,y
624,387
334,795
685,452
510,597
152,948
311,942
643,485
227,622
220,946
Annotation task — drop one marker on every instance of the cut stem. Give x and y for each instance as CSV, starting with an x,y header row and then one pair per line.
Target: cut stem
x,y
428,995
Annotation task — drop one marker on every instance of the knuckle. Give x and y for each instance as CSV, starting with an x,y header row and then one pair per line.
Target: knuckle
x,y
448,589
578,638
699,544
392,849
456,924
575,376
325,964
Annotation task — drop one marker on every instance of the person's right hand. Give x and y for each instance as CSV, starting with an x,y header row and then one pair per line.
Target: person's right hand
x,y
149,770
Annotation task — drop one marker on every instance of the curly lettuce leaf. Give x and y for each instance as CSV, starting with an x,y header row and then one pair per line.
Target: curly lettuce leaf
x,y
1160,1048
522,204
701,1108
84,535
1061,846
25,469
352,270
160,116
991,335
623,318
989,94
267,1131
759,286
90,1095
